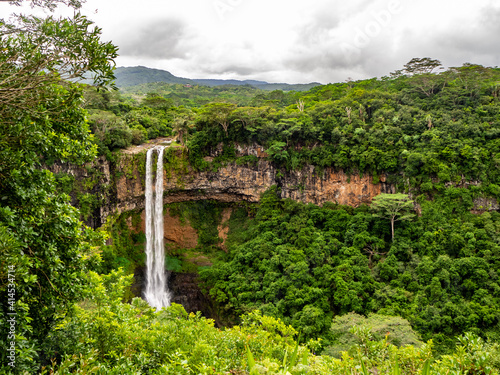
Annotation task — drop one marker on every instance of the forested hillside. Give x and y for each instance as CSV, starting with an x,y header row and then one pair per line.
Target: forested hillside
x,y
426,131
408,284
433,135
133,76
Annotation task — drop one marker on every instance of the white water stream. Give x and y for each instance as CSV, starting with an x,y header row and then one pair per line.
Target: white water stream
x,y
156,293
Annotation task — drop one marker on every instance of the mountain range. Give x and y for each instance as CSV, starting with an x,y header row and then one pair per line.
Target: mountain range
x,y
131,76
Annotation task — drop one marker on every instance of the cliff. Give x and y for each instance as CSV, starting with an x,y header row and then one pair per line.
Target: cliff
x,y
118,186
235,183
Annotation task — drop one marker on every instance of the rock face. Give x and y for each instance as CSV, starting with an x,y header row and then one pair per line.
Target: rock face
x,y
177,233
93,178
120,184
184,290
236,183
223,228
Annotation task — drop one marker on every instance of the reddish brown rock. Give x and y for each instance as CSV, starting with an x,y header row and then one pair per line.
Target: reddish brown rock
x,y
235,183
230,183
177,233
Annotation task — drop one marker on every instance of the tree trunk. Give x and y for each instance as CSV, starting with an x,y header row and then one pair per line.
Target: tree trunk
x,y
392,228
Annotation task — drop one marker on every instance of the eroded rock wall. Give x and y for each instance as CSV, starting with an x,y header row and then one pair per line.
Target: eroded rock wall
x,y
120,185
235,183
176,232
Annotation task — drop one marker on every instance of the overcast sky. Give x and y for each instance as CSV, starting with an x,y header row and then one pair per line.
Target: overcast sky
x,y
296,41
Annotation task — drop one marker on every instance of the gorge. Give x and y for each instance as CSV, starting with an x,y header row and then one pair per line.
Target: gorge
x,y
125,186
122,190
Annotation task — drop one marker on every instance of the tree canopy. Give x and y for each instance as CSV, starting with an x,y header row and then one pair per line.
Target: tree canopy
x,y
395,207
42,120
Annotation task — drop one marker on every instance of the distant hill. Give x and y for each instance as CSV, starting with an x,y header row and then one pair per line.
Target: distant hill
x,y
131,76
137,75
288,86
222,82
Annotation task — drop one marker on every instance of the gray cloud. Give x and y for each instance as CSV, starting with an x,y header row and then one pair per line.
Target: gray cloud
x,y
236,66
341,50
335,55
332,41
457,41
231,68
473,41
238,58
160,39
347,40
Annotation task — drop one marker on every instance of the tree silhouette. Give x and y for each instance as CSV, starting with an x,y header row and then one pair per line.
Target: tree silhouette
x,y
395,207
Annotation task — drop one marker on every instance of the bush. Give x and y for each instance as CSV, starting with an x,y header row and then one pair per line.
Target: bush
x,y
397,330
139,135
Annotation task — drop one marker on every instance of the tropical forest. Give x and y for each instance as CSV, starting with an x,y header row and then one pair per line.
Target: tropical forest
x,y
342,228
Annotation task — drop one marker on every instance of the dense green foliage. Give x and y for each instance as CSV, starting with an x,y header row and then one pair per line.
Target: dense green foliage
x,y
148,111
346,328
44,248
102,335
379,126
394,207
192,96
306,264
117,124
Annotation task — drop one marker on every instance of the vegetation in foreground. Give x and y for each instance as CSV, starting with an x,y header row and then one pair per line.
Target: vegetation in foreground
x,y
102,335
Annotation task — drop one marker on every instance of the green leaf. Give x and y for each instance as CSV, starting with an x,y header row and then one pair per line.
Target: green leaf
x,y
426,370
363,367
396,370
250,359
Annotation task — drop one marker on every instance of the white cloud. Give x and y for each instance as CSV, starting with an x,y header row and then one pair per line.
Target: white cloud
x,y
296,41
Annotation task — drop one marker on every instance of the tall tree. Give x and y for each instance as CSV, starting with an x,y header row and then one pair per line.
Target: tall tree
x,y
394,207
38,53
218,113
423,77
421,65
181,125
44,248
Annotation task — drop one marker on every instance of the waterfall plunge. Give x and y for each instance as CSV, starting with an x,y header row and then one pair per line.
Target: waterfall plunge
x,y
156,294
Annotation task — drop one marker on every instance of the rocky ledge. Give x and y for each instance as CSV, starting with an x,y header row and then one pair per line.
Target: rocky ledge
x,y
120,184
236,183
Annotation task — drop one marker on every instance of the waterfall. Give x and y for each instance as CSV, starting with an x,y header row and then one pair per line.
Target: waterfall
x,y
156,294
